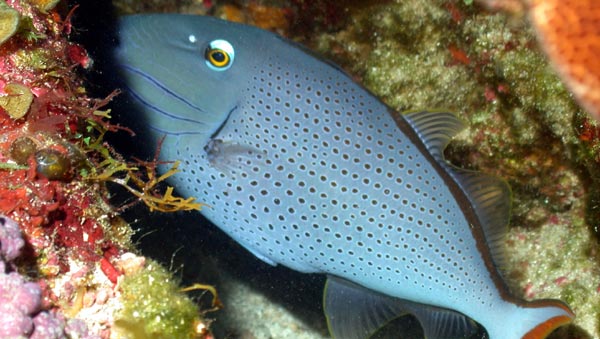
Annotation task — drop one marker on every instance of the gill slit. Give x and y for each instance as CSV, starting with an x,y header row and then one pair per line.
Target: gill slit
x,y
218,130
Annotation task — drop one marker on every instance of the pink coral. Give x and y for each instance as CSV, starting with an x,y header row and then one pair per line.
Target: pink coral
x,y
11,240
20,300
13,323
16,291
48,326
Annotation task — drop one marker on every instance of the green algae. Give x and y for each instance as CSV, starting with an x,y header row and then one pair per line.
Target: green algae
x,y
9,21
17,101
154,307
36,59
564,267
44,5
403,60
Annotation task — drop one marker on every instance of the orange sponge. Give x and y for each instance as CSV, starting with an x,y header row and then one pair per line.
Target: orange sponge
x,y
569,31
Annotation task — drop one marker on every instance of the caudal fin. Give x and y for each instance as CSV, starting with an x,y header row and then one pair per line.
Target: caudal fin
x,y
545,316
527,320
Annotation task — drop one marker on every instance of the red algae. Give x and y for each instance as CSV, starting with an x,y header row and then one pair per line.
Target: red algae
x,y
53,171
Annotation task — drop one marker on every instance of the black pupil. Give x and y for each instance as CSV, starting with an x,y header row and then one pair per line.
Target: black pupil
x,y
218,56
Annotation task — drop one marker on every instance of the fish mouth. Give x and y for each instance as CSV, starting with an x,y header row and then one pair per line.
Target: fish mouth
x,y
193,126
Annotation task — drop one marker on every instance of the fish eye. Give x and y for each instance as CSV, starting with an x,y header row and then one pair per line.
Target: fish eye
x,y
219,55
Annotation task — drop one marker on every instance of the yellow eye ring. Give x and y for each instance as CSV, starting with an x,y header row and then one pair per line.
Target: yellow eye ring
x,y
219,55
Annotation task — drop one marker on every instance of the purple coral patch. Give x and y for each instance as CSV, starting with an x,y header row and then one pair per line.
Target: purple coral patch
x,y
47,326
13,323
11,240
25,296
20,300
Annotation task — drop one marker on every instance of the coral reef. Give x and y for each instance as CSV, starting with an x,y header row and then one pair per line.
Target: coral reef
x,y
154,308
21,300
160,6
66,254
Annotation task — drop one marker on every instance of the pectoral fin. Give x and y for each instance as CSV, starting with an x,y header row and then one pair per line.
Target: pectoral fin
x,y
233,158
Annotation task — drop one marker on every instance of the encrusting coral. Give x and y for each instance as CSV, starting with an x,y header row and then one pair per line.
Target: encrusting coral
x,y
63,246
21,300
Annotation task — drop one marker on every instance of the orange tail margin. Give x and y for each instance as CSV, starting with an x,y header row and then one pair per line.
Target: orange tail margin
x,y
544,329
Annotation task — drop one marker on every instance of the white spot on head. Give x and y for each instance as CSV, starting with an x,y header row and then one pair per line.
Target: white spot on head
x,y
192,38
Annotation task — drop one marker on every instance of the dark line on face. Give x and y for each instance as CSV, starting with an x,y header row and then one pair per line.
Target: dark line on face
x,y
163,131
159,85
147,104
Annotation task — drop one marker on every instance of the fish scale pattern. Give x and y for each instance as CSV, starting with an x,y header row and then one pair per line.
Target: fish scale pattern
x,y
309,172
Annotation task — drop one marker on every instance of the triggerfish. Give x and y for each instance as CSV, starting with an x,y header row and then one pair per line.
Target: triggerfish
x,y
307,169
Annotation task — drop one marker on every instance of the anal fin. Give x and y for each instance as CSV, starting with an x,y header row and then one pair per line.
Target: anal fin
x,y
355,312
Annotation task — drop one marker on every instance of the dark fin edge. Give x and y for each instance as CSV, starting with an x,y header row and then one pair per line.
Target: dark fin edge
x,y
490,196
354,312
435,129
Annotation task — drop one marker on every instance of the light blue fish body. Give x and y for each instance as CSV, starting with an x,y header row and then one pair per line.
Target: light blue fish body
x,y
305,168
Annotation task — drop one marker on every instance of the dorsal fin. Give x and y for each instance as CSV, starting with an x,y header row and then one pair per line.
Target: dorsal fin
x,y
355,312
491,200
490,196
435,129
